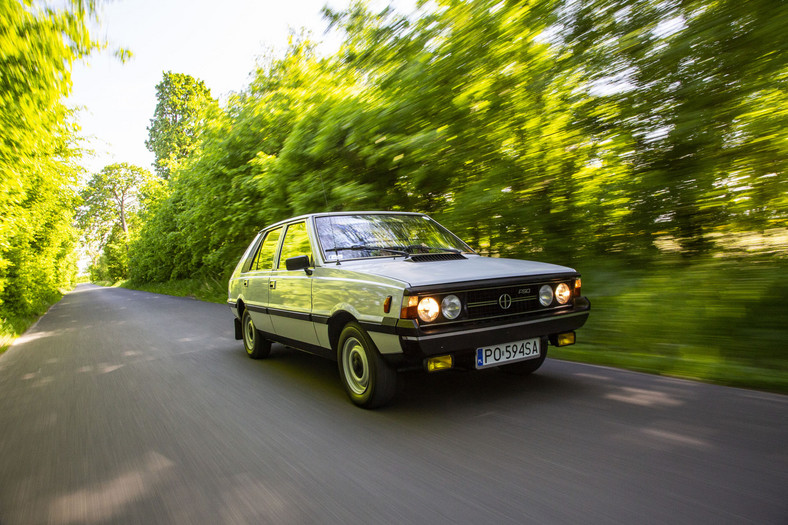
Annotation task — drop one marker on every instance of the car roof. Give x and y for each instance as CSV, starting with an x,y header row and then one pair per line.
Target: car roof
x,y
338,214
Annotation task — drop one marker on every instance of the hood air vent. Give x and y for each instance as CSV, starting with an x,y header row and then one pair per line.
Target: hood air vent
x,y
432,257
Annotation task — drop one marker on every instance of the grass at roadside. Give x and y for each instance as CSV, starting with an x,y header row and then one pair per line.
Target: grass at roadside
x,y
14,326
719,320
209,290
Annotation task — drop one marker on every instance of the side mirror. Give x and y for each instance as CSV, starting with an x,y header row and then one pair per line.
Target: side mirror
x,y
300,262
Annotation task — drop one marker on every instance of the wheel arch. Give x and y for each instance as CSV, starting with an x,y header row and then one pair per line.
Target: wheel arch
x,y
336,323
240,306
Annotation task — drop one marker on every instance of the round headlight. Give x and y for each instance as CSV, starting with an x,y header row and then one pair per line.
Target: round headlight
x,y
428,309
563,293
451,307
546,295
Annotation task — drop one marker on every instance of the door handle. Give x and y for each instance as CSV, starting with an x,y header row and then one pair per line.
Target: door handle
x,y
246,282
272,285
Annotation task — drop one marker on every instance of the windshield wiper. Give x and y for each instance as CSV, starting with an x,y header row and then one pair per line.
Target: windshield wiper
x,y
369,247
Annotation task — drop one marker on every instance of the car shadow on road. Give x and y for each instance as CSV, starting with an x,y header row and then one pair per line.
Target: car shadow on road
x,y
420,392
462,389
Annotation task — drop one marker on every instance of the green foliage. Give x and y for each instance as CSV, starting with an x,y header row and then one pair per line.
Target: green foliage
x,y
112,198
172,134
691,82
37,172
113,263
558,130
718,320
548,130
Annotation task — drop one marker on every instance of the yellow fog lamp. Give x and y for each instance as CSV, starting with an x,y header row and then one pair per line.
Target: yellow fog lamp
x,y
441,362
564,339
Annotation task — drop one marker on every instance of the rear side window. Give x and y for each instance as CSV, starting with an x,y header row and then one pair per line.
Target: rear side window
x,y
296,243
265,257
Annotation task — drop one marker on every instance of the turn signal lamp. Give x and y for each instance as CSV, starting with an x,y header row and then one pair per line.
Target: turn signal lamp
x,y
409,305
442,362
387,305
578,282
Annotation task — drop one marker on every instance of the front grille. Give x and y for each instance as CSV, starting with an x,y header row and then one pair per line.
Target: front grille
x,y
495,302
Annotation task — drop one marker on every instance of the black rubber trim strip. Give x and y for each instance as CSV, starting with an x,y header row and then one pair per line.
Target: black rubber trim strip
x,y
379,328
320,319
255,308
301,316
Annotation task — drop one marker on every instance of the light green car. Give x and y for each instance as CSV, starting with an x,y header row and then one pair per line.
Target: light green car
x,y
381,292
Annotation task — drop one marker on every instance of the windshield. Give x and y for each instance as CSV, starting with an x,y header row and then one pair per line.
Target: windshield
x,y
358,236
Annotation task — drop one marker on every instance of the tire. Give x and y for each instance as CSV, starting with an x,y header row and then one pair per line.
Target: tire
x,y
368,380
257,347
524,368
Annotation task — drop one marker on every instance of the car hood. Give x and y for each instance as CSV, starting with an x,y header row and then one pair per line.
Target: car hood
x,y
473,268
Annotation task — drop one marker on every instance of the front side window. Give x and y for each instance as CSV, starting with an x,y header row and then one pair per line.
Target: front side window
x,y
379,235
296,243
265,257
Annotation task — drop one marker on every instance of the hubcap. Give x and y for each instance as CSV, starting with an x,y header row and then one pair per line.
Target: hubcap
x,y
249,334
355,366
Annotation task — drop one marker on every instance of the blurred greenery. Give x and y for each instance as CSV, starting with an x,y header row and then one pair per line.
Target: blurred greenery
x,y
718,320
38,149
643,142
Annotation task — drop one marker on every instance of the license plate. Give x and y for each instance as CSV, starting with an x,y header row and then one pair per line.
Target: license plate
x,y
507,353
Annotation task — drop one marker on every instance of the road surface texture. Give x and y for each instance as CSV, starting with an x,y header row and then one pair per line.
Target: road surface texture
x,y
130,407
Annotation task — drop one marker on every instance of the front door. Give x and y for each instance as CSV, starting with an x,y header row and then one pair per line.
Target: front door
x,y
290,292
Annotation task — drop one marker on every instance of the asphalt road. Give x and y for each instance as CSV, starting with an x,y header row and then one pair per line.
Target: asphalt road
x,y
129,407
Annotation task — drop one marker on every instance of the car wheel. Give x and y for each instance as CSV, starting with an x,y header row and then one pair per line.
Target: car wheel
x,y
523,368
368,380
257,347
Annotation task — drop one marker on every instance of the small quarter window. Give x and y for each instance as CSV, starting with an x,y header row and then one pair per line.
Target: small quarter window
x,y
265,257
296,243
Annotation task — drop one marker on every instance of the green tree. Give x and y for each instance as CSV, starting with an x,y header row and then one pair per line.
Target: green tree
x,y
37,150
172,135
691,83
111,200
551,130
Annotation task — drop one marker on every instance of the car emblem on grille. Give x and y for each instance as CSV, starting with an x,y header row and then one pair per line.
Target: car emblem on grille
x,y
505,301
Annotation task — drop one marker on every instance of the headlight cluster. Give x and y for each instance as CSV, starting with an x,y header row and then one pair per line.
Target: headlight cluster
x,y
562,294
441,308
428,309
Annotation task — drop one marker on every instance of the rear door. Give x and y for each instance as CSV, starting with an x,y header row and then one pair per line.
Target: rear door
x,y
290,292
256,281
